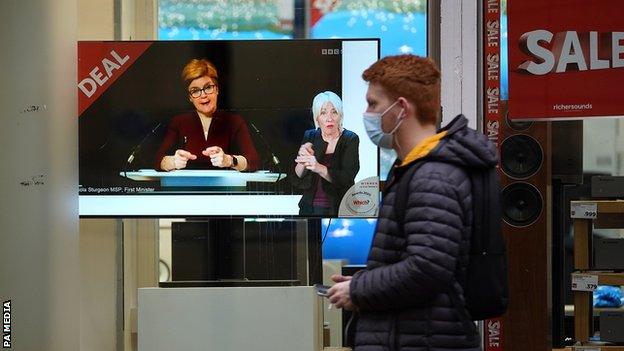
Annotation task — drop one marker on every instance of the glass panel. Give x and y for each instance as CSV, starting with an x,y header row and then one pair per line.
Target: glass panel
x,y
401,26
235,252
580,150
221,19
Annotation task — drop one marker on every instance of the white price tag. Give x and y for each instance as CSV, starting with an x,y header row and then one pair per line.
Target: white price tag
x,y
584,282
584,211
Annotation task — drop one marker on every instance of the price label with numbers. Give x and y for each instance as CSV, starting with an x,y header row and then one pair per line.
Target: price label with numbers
x,y
584,282
584,211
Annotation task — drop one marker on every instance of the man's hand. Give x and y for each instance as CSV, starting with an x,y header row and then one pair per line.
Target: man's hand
x,y
217,157
339,293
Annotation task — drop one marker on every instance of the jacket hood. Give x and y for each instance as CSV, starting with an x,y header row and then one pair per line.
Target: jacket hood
x,y
458,144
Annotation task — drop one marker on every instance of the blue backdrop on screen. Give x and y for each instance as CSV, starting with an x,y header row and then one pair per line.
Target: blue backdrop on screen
x,y
348,239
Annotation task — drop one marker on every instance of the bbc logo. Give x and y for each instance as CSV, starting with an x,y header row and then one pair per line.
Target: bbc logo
x,y
330,51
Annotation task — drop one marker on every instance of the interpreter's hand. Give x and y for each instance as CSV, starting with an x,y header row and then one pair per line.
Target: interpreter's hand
x,y
181,157
310,163
306,150
217,157
339,294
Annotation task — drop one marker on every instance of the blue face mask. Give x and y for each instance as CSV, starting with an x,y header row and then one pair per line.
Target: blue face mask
x,y
372,124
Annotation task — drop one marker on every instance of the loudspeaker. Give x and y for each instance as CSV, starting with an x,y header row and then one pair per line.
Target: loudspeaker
x,y
525,169
567,151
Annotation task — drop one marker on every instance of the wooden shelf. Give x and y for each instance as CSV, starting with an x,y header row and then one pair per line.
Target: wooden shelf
x,y
590,347
609,214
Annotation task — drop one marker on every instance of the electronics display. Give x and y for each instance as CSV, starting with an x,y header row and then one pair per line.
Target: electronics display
x,y
607,186
130,91
612,326
608,253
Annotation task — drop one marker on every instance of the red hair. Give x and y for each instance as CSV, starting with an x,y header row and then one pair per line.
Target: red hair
x,y
413,77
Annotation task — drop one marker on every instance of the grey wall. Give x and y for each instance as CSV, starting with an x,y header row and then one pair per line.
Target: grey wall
x,y
39,268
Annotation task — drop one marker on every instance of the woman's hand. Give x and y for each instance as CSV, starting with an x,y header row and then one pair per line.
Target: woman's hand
x,y
306,150
310,163
306,158
307,161
217,157
177,161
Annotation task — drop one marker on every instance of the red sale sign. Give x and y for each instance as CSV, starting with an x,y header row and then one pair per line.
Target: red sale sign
x,y
493,328
566,59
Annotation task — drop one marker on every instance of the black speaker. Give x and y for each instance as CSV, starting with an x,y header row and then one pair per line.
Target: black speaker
x,y
567,151
521,156
522,204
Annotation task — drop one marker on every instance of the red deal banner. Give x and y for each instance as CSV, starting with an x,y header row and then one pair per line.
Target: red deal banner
x,y
100,64
492,328
566,59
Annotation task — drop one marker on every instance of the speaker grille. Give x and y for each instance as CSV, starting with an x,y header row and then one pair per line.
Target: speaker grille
x,y
521,156
522,204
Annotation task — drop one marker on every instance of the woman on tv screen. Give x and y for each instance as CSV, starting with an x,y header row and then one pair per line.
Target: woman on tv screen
x,y
328,159
206,138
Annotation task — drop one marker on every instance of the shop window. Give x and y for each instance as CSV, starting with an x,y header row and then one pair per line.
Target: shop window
x,y
220,19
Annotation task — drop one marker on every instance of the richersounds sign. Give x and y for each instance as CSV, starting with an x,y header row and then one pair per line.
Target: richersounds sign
x,y
566,59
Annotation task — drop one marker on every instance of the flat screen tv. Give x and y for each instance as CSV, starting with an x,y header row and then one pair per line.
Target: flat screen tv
x,y
143,106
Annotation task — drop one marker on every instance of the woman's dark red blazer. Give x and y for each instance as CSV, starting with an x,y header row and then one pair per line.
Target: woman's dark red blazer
x,y
229,131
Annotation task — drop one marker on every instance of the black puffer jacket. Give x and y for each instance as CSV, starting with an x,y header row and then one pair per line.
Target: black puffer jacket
x,y
403,294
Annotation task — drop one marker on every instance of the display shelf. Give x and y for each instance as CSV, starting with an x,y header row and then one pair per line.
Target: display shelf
x,y
606,214
604,278
590,347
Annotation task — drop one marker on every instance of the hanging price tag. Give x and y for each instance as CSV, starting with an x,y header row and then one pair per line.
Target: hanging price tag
x,y
584,282
584,211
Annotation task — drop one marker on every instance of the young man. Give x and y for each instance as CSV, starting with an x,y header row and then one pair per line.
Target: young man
x,y
410,297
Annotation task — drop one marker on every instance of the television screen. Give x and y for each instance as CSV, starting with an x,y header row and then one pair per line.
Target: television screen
x,y
225,128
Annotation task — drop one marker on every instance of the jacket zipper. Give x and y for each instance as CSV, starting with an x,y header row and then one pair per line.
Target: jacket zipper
x,y
393,334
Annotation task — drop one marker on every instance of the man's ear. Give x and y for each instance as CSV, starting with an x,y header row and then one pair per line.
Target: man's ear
x,y
410,108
